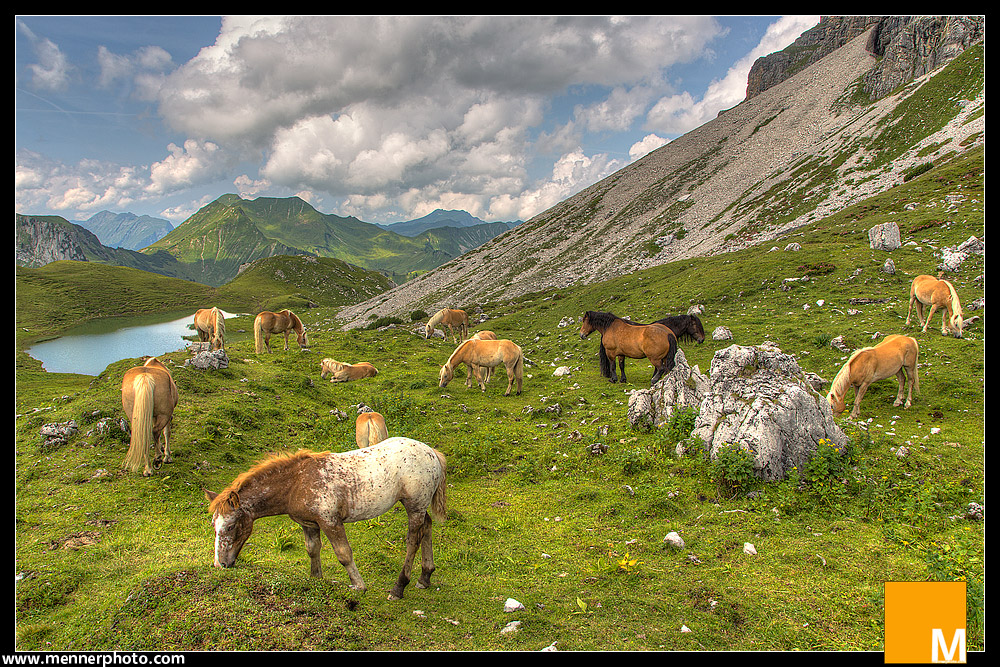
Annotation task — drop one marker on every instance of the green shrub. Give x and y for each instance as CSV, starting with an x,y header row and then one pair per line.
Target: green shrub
x,y
732,470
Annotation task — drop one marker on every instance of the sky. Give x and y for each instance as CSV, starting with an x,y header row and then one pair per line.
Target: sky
x,y
385,118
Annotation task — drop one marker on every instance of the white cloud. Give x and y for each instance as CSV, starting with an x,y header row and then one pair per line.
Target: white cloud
x,y
648,144
193,163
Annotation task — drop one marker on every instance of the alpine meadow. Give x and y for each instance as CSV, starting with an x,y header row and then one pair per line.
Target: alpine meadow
x,y
568,518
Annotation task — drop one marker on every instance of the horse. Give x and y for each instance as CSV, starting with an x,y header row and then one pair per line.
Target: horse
x,y
896,355
149,397
929,291
685,327
211,326
284,322
341,372
454,319
370,429
488,372
621,338
322,491
484,354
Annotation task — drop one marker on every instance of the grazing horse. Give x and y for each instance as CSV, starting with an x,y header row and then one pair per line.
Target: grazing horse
x,y
929,291
896,355
484,354
487,372
621,338
456,321
284,322
211,326
370,429
685,327
341,372
322,491
149,397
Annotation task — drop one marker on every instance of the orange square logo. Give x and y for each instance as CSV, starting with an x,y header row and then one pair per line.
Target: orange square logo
x,y
925,622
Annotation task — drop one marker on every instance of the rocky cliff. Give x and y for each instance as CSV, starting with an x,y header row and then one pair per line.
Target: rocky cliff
x,y
794,152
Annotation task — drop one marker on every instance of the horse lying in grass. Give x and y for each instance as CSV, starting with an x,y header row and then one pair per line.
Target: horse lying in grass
x,y
370,429
284,322
482,354
929,291
896,355
487,373
621,338
456,320
211,326
149,397
341,372
323,491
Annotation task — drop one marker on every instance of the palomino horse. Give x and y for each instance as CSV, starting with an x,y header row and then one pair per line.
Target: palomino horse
x,y
341,372
896,355
211,326
621,338
452,318
370,429
487,372
284,322
323,491
929,291
149,397
484,354
685,327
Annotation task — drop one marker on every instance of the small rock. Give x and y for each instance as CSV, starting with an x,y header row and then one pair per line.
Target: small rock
x,y
512,605
513,626
674,540
749,549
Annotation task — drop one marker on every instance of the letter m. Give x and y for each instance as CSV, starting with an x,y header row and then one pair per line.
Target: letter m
x,y
938,642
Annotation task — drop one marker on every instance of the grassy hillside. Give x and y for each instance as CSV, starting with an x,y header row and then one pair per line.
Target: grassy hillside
x,y
106,560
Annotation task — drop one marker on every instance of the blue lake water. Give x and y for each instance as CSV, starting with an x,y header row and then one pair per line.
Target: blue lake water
x,y
89,348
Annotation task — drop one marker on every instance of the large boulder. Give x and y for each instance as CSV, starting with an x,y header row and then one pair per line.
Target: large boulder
x,y
682,387
884,236
759,398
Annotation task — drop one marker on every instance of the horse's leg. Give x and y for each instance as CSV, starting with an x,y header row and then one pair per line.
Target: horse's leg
x,y
286,339
510,380
338,538
910,308
267,341
426,554
901,378
621,363
416,522
929,314
857,399
314,542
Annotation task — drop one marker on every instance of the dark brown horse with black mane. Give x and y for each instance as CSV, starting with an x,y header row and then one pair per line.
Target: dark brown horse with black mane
x,y
685,327
621,338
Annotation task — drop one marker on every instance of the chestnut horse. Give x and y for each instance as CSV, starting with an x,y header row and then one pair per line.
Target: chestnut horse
x,y
896,355
284,322
149,397
452,318
621,338
322,491
341,372
487,372
211,326
483,354
370,429
929,291
685,327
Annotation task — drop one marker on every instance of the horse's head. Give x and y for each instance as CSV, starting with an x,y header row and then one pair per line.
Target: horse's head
x,y
303,343
233,526
586,327
837,403
696,329
445,376
957,322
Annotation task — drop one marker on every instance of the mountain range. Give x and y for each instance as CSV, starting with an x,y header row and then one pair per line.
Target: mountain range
x,y
846,112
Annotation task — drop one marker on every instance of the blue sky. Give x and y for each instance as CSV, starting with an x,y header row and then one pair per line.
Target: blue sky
x,y
381,117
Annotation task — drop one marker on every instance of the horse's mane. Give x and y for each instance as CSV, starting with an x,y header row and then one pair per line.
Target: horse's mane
x,y
956,306
843,378
601,320
220,323
229,498
683,325
460,346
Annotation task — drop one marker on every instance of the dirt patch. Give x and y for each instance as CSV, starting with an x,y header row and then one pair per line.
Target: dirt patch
x,y
86,538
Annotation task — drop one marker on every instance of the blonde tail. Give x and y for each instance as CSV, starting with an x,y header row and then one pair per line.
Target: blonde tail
x,y
258,335
439,503
142,423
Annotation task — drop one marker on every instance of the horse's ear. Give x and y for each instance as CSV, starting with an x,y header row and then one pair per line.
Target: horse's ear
x,y
211,495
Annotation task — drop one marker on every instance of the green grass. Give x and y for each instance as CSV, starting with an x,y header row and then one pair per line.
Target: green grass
x,y
533,515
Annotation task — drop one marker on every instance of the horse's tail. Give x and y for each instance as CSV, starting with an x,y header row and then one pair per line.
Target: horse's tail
x,y
258,334
439,503
916,373
669,361
956,307
220,328
137,457
606,364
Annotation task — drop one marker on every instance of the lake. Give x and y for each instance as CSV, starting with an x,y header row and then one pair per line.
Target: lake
x,y
90,347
